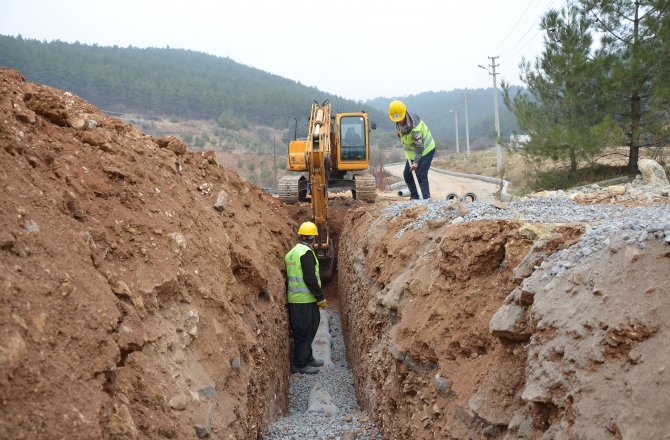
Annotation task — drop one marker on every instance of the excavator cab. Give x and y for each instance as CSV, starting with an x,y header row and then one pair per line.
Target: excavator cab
x,y
353,147
346,161
335,156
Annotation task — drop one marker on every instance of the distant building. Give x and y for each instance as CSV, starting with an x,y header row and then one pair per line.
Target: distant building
x,y
518,140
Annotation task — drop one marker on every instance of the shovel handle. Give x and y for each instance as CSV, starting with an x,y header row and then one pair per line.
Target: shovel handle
x,y
416,181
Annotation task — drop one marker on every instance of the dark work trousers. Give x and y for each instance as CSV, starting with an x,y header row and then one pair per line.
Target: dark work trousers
x,y
421,176
304,324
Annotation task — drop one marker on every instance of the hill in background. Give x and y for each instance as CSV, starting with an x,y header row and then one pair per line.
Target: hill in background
x,y
170,82
184,84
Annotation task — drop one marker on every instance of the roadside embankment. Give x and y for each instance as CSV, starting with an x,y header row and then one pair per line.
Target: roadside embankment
x,y
142,292
538,318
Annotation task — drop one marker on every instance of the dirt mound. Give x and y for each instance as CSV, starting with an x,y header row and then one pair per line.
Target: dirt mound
x,y
142,293
450,336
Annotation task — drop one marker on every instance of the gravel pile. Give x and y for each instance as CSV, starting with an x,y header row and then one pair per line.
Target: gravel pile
x,y
635,225
349,423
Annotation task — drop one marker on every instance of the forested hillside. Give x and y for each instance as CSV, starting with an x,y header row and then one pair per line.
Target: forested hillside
x,y
193,85
177,82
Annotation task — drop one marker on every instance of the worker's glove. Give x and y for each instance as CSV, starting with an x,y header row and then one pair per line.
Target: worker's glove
x,y
415,166
322,304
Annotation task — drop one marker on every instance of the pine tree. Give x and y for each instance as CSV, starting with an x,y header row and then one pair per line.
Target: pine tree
x,y
634,56
559,108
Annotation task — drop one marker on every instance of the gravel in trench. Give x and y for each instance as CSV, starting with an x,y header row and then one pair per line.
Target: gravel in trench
x,y
349,422
634,226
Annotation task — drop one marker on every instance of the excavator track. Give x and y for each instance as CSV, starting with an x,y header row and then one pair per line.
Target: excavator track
x,y
288,188
366,189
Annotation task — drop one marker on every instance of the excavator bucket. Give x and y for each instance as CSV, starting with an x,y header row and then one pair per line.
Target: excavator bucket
x,y
327,264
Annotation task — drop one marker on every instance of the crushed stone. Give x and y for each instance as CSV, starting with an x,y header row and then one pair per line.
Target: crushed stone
x,y
339,382
635,225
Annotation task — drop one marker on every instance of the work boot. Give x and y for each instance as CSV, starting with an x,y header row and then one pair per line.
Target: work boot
x,y
315,363
307,369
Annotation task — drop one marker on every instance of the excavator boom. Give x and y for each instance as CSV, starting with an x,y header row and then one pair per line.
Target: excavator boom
x,y
336,147
317,159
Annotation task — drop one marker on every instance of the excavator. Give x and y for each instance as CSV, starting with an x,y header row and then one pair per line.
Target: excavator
x,y
334,156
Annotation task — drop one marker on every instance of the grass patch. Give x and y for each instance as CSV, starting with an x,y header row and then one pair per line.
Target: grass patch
x,y
528,176
483,162
562,179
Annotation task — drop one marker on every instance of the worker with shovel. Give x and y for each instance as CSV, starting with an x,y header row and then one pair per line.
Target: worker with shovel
x,y
419,148
304,299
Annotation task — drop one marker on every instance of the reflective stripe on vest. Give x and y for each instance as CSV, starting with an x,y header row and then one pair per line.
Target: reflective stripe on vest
x,y
298,292
408,141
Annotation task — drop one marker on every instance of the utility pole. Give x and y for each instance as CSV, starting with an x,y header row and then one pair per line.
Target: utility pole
x,y
493,72
467,130
456,129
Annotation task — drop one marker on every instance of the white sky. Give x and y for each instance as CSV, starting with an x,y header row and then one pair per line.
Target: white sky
x,y
357,49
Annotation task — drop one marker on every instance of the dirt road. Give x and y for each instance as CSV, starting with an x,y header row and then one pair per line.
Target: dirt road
x,y
443,184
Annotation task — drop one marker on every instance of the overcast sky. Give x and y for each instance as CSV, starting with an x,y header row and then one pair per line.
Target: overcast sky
x,y
358,49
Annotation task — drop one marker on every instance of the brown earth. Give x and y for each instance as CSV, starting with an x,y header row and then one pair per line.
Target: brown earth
x,y
142,296
130,307
417,309
409,321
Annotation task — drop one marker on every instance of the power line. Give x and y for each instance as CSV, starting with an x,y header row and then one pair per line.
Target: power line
x,y
513,27
520,48
523,41
515,50
532,26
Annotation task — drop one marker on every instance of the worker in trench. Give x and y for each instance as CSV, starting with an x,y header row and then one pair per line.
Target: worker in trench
x,y
419,147
305,298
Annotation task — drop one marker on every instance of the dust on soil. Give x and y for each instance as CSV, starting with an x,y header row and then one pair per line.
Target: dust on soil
x,y
130,307
417,309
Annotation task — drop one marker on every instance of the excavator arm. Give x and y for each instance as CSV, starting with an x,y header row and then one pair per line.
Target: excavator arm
x,y
335,146
317,160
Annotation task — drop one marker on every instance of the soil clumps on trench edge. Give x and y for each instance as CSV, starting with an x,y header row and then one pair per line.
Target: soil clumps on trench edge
x,y
503,329
142,286
143,297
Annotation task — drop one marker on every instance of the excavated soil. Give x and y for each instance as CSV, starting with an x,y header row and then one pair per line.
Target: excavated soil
x,y
587,362
130,306
142,296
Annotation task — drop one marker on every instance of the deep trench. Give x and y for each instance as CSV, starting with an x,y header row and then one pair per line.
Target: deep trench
x,y
351,421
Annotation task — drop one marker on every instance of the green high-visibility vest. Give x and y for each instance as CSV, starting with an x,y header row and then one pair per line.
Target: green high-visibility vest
x,y
298,292
408,140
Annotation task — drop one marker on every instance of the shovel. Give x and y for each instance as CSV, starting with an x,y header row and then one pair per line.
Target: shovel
x,y
416,181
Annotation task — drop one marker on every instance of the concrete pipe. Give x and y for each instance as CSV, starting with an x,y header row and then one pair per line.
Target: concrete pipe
x,y
403,192
452,196
469,197
397,185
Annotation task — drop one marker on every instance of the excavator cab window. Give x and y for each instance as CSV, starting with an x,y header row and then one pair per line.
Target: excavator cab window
x,y
352,135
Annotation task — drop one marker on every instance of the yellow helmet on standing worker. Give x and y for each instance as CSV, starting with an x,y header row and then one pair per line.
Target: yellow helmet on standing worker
x,y
308,228
397,110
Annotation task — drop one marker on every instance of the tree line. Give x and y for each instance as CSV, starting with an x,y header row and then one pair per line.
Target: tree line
x,y
188,84
437,110
602,80
169,82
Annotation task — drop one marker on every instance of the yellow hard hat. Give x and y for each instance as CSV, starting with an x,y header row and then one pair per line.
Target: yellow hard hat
x,y
308,228
397,110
